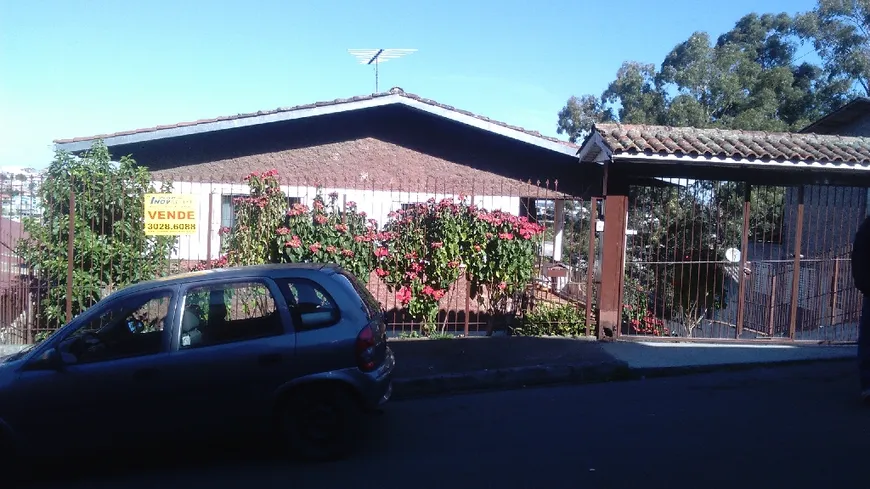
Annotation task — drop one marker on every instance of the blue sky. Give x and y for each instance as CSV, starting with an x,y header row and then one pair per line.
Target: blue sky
x,y
84,67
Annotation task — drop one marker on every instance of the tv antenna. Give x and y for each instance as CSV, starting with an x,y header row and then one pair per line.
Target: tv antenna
x,y
378,56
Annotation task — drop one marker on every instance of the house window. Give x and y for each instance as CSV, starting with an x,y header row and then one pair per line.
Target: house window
x,y
228,208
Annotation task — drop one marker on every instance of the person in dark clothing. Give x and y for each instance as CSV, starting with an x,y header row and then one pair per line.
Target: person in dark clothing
x,y
861,275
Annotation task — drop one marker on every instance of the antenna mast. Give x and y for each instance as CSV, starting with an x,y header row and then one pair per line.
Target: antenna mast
x,y
378,56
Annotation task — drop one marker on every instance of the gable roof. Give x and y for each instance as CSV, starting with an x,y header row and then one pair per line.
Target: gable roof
x,y
830,123
623,141
396,96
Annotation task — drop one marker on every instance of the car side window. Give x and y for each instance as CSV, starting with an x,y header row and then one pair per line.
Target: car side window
x,y
309,303
131,327
227,313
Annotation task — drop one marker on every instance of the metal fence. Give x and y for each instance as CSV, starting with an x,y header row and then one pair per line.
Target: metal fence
x,y
703,260
727,260
26,302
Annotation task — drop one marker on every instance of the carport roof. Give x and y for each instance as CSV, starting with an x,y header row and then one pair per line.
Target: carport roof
x,y
724,147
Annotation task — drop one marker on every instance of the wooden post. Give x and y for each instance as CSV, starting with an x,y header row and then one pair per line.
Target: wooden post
x,y
590,266
744,247
796,275
613,252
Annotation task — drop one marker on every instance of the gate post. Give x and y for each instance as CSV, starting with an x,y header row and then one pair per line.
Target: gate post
x,y
613,252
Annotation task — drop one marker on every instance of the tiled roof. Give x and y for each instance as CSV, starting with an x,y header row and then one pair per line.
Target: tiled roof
x,y
393,91
628,139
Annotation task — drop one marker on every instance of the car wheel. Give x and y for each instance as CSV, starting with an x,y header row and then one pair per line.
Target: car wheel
x,y
320,422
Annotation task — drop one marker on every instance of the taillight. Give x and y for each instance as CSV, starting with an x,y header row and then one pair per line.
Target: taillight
x,y
365,349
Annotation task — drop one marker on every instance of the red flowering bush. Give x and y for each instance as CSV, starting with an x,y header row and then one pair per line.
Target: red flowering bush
x,y
267,231
250,241
426,248
421,253
502,257
325,233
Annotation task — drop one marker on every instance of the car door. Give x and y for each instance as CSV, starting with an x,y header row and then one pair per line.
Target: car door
x,y
107,388
231,351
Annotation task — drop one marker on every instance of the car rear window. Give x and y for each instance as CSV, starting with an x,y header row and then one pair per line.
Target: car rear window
x,y
370,305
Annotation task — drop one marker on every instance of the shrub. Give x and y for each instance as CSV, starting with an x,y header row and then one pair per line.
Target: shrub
x,y
111,247
552,320
426,247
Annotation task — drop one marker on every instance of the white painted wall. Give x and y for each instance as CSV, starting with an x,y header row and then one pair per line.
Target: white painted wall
x,y
377,204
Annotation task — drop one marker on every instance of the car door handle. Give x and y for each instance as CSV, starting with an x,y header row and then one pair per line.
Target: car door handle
x,y
269,359
145,374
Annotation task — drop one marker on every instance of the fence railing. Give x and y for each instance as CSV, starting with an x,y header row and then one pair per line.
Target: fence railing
x,y
694,266
89,256
727,260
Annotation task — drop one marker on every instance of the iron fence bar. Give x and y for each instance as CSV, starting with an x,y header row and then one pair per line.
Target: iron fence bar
x,y
70,249
744,245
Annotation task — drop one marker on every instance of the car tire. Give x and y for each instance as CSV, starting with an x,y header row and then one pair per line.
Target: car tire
x,y
320,422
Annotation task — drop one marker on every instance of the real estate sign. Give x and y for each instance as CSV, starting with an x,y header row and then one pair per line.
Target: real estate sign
x,y
170,214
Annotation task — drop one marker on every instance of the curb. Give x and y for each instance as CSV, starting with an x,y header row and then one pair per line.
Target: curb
x,y
543,375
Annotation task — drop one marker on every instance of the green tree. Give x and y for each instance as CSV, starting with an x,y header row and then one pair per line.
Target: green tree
x,y
840,32
750,77
111,248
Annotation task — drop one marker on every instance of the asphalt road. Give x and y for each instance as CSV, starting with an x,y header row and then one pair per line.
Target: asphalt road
x,y
793,427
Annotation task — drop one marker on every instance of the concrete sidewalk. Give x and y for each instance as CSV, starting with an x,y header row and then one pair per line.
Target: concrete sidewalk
x,y
441,367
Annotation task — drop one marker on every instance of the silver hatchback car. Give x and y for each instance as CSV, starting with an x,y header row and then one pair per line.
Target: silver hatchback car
x,y
298,349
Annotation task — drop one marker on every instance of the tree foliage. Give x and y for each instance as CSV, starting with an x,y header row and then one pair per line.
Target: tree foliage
x,y
839,30
750,78
111,248
756,76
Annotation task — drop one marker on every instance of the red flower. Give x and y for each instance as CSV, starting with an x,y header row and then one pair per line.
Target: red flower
x,y
318,204
437,245
382,252
315,247
438,294
502,285
282,231
477,248
506,236
294,242
330,249
453,264
320,219
404,295
347,253
341,228
224,230
380,272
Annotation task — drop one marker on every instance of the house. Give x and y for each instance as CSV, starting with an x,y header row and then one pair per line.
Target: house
x,y
382,151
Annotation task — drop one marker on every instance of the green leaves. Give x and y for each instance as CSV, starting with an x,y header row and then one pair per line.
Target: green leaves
x,y
111,249
751,78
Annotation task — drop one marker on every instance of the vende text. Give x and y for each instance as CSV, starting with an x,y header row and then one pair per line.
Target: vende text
x,y
164,215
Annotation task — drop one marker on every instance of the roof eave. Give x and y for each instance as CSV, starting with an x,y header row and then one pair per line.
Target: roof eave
x,y
704,160
171,132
